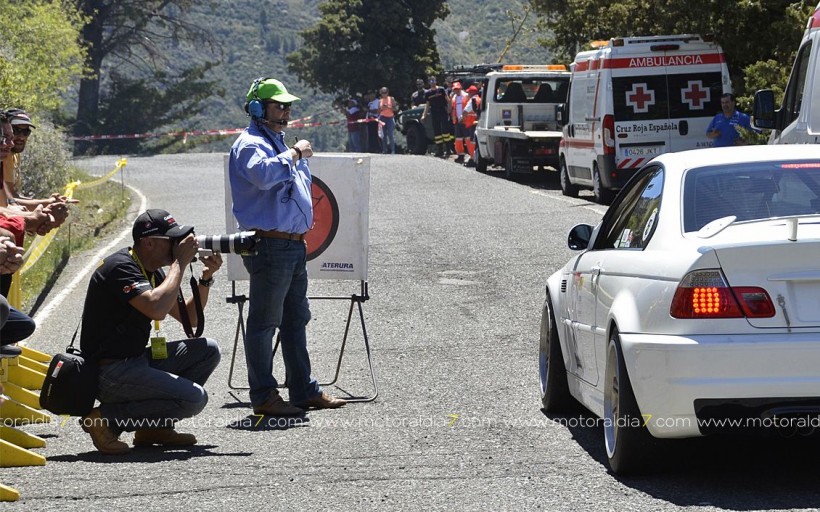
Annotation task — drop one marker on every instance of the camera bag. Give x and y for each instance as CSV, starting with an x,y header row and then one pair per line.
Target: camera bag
x,y
70,386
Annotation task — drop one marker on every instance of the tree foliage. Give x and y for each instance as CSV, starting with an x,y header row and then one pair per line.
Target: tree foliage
x,y
364,44
40,53
750,31
136,36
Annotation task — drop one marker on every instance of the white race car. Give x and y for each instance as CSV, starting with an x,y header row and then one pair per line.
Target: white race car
x,y
693,307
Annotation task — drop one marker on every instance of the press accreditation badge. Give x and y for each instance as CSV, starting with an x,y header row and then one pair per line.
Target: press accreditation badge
x,y
159,349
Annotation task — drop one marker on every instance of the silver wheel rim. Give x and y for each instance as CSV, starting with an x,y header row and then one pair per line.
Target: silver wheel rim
x,y
611,399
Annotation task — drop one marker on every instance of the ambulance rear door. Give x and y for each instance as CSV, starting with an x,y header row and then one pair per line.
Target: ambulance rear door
x,y
664,97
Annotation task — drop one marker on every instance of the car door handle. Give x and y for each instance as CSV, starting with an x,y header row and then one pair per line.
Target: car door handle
x,y
596,272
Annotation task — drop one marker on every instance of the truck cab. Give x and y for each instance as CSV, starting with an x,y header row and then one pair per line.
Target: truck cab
x,y
517,124
797,121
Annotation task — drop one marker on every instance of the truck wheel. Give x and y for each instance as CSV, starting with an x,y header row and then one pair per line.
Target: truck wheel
x,y
416,141
567,188
480,163
602,195
508,163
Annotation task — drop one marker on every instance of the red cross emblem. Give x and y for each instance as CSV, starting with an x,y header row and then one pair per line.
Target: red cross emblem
x,y
695,95
640,98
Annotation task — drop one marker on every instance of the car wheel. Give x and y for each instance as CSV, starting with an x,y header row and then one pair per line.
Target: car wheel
x,y
602,195
416,141
508,162
629,445
555,396
567,188
480,163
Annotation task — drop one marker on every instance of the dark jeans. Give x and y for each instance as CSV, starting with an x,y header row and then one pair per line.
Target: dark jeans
x,y
140,392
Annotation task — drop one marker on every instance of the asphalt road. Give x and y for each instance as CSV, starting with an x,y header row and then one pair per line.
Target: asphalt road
x,y
457,262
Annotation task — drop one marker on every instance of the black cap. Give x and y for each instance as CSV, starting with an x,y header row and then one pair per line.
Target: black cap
x,y
158,223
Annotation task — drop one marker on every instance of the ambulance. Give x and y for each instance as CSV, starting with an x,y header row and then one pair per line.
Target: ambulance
x,y
797,121
632,99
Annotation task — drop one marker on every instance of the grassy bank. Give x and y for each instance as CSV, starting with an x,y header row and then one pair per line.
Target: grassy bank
x,y
101,210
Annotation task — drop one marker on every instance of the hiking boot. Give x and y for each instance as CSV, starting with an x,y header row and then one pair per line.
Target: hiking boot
x,y
276,406
162,437
103,438
459,159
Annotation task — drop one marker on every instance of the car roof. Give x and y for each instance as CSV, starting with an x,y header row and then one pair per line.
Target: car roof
x,y
724,156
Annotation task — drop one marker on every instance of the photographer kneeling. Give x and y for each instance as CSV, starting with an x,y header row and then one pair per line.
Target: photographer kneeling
x,y
146,390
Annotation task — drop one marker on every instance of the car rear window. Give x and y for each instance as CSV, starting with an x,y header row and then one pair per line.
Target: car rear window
x,y
750,192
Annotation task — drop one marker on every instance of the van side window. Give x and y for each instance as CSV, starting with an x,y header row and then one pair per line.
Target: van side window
x,y
794,93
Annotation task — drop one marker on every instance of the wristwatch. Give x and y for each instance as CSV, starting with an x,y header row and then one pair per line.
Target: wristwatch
x,y
206,282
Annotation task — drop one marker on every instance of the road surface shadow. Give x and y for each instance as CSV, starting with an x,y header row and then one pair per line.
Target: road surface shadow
x,y
152,454
733,472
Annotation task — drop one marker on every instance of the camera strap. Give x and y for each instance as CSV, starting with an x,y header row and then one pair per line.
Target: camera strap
x,y
183,311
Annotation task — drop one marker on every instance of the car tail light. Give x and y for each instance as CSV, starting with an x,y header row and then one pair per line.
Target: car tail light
x,y
609,135
705,294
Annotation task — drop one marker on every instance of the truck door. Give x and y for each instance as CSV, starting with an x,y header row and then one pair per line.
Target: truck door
x,y
798,116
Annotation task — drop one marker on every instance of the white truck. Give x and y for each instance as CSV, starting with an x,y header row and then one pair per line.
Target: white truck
x,y
797,121
633,98
517,126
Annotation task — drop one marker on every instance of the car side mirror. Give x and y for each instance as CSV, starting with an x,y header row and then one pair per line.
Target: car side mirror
x,y
763,111
561,114
579,237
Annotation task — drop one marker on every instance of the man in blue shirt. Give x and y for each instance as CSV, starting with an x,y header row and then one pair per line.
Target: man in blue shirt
x,y
723,129
271,192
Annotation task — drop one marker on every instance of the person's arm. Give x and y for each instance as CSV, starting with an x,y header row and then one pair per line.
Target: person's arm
x,y
157,302
210,265
711,131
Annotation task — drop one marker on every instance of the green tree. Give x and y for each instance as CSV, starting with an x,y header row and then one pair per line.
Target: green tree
x,y
136,35
749,32
364,44
40,53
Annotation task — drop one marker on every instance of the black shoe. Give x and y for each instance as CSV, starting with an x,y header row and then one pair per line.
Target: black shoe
x,y
10,351
459,159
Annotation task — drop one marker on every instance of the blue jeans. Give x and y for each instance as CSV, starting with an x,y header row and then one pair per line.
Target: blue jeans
x,y
388,130
17,327
140,392
278,299
354,141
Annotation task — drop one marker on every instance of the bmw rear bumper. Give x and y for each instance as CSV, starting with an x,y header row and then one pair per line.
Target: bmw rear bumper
x,y
670,373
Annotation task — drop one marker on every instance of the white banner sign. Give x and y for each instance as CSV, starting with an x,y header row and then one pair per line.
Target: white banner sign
x,y
338,242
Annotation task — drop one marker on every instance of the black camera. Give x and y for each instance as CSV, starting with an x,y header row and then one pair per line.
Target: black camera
x,y
243,243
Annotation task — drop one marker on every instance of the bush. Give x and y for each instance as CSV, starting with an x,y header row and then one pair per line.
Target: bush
x,y
44,165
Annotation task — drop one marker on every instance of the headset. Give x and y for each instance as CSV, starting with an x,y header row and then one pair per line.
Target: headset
x,y
255,107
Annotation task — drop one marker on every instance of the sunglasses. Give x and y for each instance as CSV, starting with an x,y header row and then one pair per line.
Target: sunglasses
x,y
21,131
279,106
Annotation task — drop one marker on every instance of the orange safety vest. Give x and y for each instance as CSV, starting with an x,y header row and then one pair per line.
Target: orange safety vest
x,y
471,117
464,99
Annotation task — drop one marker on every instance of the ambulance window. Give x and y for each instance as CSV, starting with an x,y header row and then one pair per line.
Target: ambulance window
x,y
794,92
694,95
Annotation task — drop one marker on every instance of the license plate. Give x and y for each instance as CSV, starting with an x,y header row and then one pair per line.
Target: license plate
x,y
641,151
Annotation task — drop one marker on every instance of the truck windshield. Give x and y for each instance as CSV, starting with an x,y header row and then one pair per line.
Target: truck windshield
x,y
532,90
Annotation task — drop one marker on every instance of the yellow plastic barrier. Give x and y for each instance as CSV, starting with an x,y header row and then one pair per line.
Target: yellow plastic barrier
x,y
8,494
15,413
35,354
20,438
34,365
13,456
24,377
22,395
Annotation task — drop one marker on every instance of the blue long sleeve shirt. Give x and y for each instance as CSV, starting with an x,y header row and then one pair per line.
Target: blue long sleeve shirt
x,y
269,190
